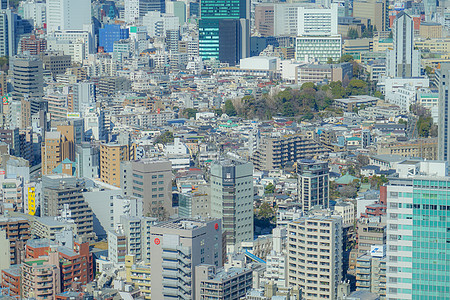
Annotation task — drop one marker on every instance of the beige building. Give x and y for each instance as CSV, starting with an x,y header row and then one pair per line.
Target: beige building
x,y
264,19
55,148
49,227
381,44
430,30
111,155
347,211
433,45
424,148
41,277
315,256
374,12
150,180
138,275
370,233
275,152
371,274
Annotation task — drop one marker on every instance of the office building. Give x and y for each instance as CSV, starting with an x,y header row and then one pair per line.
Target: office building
x,y
18,233
68,14
13,28
230,283
27,73
318,21
276,152
84,95
403,61
33,10
313,182
110,34
286,18
178,9
111,155
370,232
88,160
443,74
418,213
315,256
372,12
264,19
151,181
55,62
232,200
226,19
318,48
195,203
177,247
134,9
67,200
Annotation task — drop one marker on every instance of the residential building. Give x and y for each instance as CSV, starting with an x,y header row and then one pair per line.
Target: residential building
x,y
371,272
55,62
403,61
149,180
372,12
195,203
429,30
137,231
55,148
264,19
313,182
276,152
182,245
370,232
117,246
11,280
315,255
49,227
355,102
230,283
138,275
232,200
18,233
34,45
88,160
111,155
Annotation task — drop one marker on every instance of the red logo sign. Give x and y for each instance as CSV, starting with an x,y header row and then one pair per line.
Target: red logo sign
x,y
157,241
216,226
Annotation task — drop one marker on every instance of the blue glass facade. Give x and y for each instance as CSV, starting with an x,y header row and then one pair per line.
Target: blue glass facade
x,y
431,240
110,34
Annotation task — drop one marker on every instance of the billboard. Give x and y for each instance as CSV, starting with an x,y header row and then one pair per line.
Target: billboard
x,y
378,250
31,201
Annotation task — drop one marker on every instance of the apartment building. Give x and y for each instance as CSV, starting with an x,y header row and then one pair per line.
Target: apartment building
x,y
55,148
313,181
275,152
138,275
111,155
371,271
18,233
41,278
227,283
370,232
314,254
56,62
177,247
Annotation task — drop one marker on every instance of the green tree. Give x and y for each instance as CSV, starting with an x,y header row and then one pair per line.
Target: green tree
x,y
401,121
337,90
352,33
265,211
165,138
4,63
229,108
356,87
308,85
269,189
346,58
330,60
190,112
379,94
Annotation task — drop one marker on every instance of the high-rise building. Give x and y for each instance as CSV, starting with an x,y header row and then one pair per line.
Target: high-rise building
x,y
18,233
111,155
68,14
137,231
110,34
313,182
55,62
41,278
178,9
264,19
55,148
27,72
443,75
232,200
418,218
151,181
13,28
177,247
32,44
134,9
403,61
315,256
372,12
219,14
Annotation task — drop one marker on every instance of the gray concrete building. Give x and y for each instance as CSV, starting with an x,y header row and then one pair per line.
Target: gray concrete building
x,y
313,181
443,76
150,180
27,73
177,247
232,200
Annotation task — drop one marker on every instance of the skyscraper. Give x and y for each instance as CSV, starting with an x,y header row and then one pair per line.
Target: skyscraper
x,y
443,74
418,218
235,29
403,61
68,14
27,74
134,9
232,200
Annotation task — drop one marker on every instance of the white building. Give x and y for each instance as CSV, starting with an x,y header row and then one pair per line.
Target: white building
x,y
286,18
158,24
318,48
94,124
318,21
131,11
68,14
276,261
403,97
83,96
35,11
69,41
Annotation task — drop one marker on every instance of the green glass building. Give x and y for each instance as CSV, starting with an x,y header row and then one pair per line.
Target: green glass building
x,y
213,13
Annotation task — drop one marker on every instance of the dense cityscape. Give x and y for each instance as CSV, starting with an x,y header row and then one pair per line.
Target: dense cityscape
x,y
225,149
